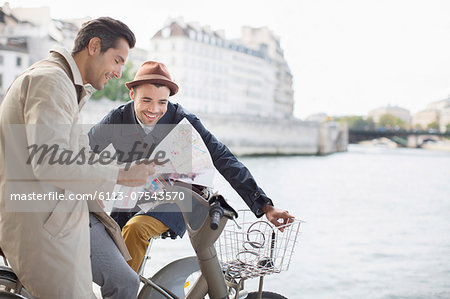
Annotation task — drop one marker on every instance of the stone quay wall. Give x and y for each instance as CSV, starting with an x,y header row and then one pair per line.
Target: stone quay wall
x,y
251,135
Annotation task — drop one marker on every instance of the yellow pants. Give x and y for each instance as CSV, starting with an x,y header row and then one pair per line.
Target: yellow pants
x,y
137,233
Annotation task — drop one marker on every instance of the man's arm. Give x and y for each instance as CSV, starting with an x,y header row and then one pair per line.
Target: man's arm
x,y
239,177
49,110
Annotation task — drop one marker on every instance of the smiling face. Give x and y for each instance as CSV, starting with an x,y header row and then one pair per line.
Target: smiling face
x,y
104,66
150,102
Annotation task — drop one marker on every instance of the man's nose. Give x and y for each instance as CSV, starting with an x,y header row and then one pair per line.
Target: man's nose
x,y
153,108
117,72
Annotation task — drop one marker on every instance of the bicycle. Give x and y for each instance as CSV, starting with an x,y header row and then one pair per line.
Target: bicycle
x,y
246,250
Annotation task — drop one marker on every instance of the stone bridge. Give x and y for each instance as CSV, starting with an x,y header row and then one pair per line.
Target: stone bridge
x,y
411,138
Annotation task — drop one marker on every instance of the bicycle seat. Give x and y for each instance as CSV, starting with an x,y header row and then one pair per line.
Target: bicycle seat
x,y
169,234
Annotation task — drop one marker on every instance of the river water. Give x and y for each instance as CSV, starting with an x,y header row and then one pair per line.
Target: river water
x,y
377,223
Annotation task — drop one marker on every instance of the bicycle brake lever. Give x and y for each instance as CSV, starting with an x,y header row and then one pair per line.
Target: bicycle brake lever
x,y
235,222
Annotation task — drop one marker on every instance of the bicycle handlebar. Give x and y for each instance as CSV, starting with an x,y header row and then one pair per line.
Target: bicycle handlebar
x,y
215,213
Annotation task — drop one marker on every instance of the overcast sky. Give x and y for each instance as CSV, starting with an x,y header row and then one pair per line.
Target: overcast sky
x,y
346,56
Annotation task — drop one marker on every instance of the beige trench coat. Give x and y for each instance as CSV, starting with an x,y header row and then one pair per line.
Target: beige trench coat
x,y
47,241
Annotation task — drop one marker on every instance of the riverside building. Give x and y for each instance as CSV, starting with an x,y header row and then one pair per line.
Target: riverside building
x,y
396,111
436,112
241,89
247,76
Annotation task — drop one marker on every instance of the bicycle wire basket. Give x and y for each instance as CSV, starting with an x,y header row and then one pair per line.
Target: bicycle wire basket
x,y
256,248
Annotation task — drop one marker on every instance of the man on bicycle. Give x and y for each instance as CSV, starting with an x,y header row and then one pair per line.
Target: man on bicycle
x,y
148,111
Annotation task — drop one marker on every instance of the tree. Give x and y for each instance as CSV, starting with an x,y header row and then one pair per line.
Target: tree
x,y
418,127
115,89
447,127
433,125
390,121
357,122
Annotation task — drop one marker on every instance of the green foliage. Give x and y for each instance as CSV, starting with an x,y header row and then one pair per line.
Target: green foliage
x,y
433,125
115,89
357,122
390,121
447,127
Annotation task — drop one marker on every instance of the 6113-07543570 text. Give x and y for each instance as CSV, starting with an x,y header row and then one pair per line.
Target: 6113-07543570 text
x,y
140,195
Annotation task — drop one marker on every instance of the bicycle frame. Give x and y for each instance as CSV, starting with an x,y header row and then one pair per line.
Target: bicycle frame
x,y
202,237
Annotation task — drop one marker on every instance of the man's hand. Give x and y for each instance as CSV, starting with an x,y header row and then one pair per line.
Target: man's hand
x,y
277,216
135,176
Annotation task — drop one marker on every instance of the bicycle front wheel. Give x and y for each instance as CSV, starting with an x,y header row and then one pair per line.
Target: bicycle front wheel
x,y
265,295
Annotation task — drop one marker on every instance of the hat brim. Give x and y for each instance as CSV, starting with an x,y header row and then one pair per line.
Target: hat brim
x,y
171,85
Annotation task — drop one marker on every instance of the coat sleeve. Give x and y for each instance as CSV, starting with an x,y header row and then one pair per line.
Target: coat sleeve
x,y
232,169
50,112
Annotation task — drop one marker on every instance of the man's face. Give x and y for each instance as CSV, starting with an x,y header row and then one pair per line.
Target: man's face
x,y
107,65
150,102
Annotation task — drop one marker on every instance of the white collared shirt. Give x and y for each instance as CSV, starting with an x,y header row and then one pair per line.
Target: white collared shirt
x,y
147,129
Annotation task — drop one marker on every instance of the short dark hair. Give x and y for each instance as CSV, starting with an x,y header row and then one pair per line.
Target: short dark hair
x,y
107,29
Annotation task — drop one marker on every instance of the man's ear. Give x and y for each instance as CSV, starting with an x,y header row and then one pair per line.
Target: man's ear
x,y
132,93
94,46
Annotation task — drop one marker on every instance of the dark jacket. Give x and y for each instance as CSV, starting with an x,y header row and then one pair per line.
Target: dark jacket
x,y
123,138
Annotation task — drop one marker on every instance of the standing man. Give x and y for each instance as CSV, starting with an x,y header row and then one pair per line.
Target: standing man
x,y
45,236
147,117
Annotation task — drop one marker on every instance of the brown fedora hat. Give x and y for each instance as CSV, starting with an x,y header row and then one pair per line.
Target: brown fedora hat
x,y
153,72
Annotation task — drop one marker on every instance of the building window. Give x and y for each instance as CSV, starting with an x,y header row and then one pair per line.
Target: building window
x,y
192,34
18,61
